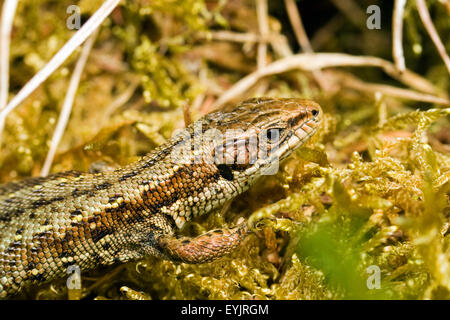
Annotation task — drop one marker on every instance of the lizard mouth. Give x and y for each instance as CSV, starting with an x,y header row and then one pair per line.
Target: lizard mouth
x,y
307,129
303,132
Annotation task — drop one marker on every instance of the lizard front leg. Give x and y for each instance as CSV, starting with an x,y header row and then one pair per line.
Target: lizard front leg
x,y
205,247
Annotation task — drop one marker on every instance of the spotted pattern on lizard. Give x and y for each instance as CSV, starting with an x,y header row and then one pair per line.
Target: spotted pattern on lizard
x,y
92,219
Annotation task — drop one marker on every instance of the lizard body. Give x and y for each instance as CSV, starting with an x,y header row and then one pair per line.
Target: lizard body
x,y
72,218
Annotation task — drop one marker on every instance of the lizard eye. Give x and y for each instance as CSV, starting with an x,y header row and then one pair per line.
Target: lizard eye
x,y
273,135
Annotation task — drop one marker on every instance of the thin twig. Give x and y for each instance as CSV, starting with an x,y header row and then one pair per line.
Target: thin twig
x,y
397,35
426,19
350,81
68,102
8,13
263,26
79,37
302,38
310,62
280,46
297,26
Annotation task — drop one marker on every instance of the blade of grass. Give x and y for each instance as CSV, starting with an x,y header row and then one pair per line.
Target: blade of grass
x,y
8,13
397,34
68,102
80,36
428,23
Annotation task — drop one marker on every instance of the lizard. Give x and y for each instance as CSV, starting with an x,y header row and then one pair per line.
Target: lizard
x,y
90,219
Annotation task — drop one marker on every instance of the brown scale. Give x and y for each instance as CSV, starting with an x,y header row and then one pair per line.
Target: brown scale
x,y
89,219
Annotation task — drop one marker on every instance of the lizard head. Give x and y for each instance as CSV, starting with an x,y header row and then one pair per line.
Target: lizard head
x,y
251,138
226,151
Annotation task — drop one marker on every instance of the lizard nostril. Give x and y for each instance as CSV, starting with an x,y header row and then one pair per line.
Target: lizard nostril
x,y
315,112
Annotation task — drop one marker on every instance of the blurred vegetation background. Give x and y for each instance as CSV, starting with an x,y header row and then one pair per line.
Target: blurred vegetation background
x,y
369,192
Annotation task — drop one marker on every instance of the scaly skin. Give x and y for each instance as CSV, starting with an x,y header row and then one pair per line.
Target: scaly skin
x,y
85,219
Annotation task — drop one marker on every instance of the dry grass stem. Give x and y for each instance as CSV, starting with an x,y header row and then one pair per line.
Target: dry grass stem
x,y
302,38
263,25
428,23
238,37
397,34
297,25
8,13
68,103
58,59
